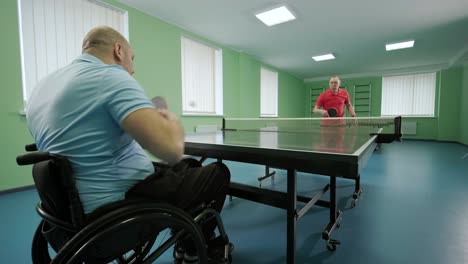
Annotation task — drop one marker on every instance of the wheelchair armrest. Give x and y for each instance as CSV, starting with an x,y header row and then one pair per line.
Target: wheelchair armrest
x,y
32,158
31,147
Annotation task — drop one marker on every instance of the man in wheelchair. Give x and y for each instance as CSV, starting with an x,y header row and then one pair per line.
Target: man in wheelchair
x,y
94,114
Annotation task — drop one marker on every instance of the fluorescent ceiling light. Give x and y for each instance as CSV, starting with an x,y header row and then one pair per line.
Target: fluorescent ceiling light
x,y
324,57
400,45
276,16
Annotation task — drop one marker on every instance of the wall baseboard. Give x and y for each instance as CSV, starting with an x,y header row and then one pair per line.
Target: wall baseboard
x,y
18,189
434,140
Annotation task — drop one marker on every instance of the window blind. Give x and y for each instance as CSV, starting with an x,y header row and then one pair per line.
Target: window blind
x,y
52,32
268,93
201,78
409,95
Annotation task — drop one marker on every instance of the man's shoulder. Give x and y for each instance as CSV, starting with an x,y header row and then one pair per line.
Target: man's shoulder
x,y
328,92
116,76
325,92
344,92
118,71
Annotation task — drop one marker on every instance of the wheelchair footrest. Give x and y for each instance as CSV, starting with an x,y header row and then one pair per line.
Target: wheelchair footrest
x,y
220,250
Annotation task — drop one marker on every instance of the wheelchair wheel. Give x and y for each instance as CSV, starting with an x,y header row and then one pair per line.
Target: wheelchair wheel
x,y
92,244
40,248
137,254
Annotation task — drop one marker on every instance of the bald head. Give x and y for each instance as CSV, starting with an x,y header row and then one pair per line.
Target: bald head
x,y
102,38
108,45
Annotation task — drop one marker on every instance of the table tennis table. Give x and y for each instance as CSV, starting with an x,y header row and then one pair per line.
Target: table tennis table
x,y
333,147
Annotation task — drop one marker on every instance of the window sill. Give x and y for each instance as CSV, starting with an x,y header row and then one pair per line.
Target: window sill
x,y
201,115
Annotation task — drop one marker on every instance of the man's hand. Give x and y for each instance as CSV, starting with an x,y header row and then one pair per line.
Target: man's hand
x,y
325,113
355,121
168,115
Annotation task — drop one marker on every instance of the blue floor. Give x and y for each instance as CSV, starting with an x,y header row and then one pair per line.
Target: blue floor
x,y
413,209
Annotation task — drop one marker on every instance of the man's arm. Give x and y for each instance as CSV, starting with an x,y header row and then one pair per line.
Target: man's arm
x,y
158,132
322,112
351,110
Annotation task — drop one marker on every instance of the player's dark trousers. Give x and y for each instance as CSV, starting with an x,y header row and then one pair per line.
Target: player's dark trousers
x,y
187,185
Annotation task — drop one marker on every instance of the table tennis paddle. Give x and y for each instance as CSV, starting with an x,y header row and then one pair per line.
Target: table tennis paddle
x,y
159,103
332,112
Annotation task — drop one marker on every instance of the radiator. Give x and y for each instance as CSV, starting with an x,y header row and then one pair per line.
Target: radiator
x,y
408,128
206,128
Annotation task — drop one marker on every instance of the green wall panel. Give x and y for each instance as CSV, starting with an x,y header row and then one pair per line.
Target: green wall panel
x,y
464,107
249,86
290,96
449,104
14,133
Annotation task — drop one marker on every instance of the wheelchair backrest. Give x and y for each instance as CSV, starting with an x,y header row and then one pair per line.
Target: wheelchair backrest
x,y
55,184
48,180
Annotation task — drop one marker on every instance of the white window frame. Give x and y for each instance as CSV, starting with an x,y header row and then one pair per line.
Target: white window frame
x,y
51,34
411,95
268,92
202,78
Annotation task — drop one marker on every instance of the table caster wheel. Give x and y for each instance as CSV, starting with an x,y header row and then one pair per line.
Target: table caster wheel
x,y
332,244
331,247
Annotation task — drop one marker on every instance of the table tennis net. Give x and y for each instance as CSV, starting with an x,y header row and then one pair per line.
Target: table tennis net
x,y
384,125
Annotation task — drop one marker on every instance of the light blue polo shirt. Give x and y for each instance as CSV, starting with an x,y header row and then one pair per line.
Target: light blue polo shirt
x,y
76,112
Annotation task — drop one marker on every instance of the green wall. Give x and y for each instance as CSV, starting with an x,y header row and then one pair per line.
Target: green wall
x,y
15,133
444,126
464,107
289,104
449,104
157,68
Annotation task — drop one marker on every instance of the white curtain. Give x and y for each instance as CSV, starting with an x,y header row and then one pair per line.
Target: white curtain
x,y
409,95
424,94
52,33
198,77
268,93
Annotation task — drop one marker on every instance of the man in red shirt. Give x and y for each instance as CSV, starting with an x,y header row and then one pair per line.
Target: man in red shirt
x,y
332,131
334,98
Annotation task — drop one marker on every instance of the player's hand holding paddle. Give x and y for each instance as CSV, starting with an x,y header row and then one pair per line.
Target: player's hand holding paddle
x,y
332,112
161,106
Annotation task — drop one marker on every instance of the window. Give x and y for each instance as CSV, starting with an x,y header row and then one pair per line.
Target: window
x,y
52,32
268,93
409,95
202,78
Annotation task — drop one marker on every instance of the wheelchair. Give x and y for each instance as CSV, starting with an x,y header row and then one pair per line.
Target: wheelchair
x,y
127,231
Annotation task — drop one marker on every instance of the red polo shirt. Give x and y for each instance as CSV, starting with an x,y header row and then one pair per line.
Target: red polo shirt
x,y
329,100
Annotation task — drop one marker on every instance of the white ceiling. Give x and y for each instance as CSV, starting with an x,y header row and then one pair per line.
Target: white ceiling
x,y
354,31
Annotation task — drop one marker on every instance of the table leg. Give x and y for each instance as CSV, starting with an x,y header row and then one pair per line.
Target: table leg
x,y
335,218
357,191
291,218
